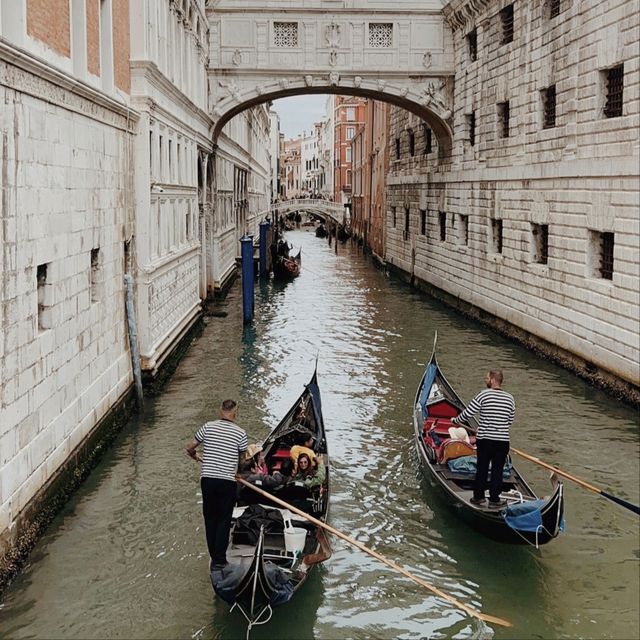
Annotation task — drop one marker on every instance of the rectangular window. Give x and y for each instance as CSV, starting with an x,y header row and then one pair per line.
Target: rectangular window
x,y
407,220
423,222
614,91
187,224
397,148
471,128
463,230
393,216
351,114
601,254
496,235
348,156
506,21
170,154
285,34
412,143
351,132
540,235
381,35
554,8
160,159
45,297
96,278
472,45
442,218
549,107
428,140
503,119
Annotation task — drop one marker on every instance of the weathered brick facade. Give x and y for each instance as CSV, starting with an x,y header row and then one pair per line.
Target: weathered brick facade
x,y
48,21
573,184
93,36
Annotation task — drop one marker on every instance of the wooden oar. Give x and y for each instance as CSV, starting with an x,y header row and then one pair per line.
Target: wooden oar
x,y
375,554
582,483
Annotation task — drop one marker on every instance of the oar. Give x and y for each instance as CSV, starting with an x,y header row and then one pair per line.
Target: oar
x,y
375,554
582,483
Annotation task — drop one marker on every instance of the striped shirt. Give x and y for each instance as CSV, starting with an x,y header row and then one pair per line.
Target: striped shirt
x,y
497,410
223,442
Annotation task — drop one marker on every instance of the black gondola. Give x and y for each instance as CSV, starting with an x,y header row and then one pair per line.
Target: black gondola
x,y
449,464
286,267
261,573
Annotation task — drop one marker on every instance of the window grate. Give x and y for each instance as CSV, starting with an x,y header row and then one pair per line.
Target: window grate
x,y
472,45
381,35
407,219
506,19
428,140
423,222
606,256
464,224
615,87
503,115
285,34
496,226
393,216
412,143
549,106
541,241
443,225
554,8
397,148
472,128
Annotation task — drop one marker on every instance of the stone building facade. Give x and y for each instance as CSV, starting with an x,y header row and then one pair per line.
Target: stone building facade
x,y
532,220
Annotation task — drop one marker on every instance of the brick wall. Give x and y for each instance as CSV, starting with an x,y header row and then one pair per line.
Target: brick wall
x,y
121,45
93,36
49,22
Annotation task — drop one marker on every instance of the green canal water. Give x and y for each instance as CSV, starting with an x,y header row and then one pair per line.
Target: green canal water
x,y
127,556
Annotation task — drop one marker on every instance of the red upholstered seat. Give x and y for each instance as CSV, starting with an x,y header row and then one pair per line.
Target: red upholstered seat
x,y
442,409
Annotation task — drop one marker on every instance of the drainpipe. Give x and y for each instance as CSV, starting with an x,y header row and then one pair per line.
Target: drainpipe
x,y
133,339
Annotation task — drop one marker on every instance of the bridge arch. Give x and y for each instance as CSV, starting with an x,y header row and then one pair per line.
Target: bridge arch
x,y
431,104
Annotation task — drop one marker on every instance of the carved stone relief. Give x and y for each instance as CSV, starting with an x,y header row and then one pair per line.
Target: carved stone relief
x,y
332,35
334,78
237,57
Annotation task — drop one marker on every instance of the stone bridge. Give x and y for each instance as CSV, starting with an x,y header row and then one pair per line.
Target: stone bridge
x,y
336,213
399,52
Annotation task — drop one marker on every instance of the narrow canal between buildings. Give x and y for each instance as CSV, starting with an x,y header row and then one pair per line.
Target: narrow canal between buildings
x,y
127,556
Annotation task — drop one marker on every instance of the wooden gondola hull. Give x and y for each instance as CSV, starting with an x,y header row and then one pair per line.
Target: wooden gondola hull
x,y
526,520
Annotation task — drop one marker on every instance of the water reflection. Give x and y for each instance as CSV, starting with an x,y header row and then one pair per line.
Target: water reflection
x,y
127,557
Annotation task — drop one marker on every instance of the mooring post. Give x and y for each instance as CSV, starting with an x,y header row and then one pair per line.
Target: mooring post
x,y
264,231
246,243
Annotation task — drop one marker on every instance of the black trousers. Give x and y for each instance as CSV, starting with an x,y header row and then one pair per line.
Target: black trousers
x,y
494,452
218,500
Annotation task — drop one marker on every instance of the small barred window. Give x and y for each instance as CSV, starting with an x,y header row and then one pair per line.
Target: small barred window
x,y
472,44
540,234
471,127
503,119
496,235
285,34
381,35
606,256
549,107
554,8
615,87
428,140
506,20
412,143
442,220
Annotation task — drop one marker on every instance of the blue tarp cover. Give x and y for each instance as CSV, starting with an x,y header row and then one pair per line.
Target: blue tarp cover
x,y
429,378
468,465
526,516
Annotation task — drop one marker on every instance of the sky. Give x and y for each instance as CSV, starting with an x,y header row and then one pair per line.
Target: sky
x,y
298,113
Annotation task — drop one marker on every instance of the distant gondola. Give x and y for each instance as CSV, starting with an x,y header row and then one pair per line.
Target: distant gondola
x,y
261,573
321,231
449,464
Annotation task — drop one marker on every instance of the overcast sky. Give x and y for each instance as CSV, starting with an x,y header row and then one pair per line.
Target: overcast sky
x,y
298,113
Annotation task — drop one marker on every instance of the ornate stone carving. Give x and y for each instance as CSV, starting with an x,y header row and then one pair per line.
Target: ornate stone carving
x,y
284,82
334,78
237,57
232,88
357,81
427,60
332,35
333,58
381,85
308,80
404,91
259,89
435,96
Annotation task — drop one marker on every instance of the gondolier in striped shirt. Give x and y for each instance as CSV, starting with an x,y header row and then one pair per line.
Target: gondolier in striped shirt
x,y
223,443
497,410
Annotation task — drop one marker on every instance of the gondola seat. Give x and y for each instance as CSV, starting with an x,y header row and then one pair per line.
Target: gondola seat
x,y
451,449
278,458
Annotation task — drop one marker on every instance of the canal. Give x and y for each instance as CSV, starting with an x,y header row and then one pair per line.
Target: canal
x,y
127,557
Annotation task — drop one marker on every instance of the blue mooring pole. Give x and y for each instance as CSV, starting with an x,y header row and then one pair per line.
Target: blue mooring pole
x,y
264,230
246,243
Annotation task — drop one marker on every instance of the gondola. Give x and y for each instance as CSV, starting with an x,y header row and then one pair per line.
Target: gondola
x,y
287,268
261,573
449,464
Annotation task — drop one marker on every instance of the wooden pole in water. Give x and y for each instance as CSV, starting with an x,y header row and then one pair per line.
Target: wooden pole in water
x,y
460,605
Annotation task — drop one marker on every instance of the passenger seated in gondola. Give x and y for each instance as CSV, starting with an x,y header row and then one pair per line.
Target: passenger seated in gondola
x,y
304,446
312,475
283,248
268,480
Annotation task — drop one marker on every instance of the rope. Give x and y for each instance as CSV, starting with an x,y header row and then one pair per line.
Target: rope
x,y
257,621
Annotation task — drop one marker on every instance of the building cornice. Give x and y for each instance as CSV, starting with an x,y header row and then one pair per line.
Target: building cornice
x,y
27,62
458,13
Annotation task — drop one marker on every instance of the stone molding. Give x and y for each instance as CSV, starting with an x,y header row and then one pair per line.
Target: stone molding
x,y
461,12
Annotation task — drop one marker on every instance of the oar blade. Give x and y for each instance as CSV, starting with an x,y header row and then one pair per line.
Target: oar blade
x,y
623,503
494,620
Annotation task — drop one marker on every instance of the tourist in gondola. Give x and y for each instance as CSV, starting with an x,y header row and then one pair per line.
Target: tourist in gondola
x,y
223,443
496,409
303,447
312,475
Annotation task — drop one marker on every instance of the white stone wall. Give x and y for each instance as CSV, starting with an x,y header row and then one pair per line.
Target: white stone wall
x,y
66,195
578,177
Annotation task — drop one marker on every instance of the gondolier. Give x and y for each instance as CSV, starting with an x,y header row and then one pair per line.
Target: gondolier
x,y
223,443
496,409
